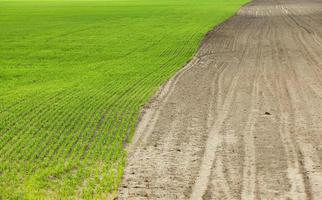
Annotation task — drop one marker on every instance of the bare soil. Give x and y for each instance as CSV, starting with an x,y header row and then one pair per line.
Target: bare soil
x,y
243,120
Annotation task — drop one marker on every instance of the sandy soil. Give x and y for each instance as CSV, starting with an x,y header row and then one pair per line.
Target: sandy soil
x,y
243,120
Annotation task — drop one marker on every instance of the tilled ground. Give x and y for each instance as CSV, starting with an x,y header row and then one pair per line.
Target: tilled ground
x,y
243,120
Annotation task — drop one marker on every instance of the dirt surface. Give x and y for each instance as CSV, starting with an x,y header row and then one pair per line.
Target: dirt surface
x,y
243,120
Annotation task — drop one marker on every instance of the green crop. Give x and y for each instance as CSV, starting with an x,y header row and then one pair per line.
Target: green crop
x,y
73,78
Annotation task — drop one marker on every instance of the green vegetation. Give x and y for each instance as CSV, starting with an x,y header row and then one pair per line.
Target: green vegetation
x,y
73,77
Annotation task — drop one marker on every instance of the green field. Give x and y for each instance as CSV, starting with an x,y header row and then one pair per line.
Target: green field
x,y
73,78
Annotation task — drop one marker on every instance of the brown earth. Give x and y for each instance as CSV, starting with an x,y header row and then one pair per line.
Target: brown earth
x,y
243,120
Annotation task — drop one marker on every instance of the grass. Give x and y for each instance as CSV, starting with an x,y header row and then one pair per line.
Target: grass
x,y
73,78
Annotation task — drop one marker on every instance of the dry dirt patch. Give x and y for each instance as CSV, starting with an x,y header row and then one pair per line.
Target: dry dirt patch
x,y
243,120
